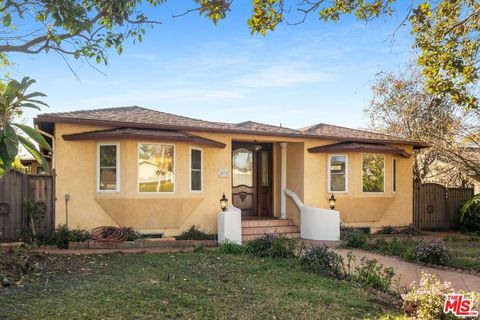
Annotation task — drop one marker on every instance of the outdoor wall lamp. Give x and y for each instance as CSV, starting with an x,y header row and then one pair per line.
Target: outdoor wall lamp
x,y
332,201
223,202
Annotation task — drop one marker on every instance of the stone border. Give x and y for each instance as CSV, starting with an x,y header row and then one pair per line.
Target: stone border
x,y
145,243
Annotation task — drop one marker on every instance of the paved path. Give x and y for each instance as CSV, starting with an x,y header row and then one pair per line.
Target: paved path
x,y
407,272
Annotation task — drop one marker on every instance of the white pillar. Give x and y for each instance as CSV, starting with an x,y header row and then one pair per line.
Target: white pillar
x,y
283,181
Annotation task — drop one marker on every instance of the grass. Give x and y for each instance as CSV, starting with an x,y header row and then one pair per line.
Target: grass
x,y
189,286
464,252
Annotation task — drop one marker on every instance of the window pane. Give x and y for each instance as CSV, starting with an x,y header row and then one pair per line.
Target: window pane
x,y
242,167
156,168
338,177
373,173
196,159
108,156
337,183
108,179
196,180
265,169
338,164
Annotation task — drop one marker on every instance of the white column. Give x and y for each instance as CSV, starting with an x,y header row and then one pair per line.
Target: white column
x,y
283,181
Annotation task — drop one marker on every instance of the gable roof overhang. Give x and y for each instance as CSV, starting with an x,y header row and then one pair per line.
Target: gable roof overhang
x,y
349,146
142,134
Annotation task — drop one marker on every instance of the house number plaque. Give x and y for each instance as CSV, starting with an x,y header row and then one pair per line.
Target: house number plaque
x,y
223,173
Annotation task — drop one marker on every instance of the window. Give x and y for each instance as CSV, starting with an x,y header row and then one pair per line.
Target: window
x,y
108,167
156,163
242,174
337,170
195,170
394,175
373,167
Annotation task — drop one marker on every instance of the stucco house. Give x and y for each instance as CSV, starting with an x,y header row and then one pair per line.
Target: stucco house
x,y
159,172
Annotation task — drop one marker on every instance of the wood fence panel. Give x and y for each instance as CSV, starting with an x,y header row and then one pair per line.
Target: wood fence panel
x,y
17,187
435,207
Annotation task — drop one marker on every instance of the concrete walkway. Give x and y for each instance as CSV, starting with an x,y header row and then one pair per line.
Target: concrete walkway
x,y
406,272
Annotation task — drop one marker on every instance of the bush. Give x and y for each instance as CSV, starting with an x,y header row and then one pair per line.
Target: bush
x,y
431,252
63,235
270,245
393,247
321,260
356,239
346,231
132,235
230,247
372,274
426,300
195,234
470,215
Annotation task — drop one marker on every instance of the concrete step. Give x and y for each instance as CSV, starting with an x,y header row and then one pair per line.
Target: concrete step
x,y
270,229
293,235
266,223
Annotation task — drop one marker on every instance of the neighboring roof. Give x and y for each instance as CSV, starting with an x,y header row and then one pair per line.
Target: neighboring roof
x,y
359,147
142,134
138,117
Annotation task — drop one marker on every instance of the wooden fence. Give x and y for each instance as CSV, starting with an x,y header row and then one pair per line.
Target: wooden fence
x,y
436,207
15,189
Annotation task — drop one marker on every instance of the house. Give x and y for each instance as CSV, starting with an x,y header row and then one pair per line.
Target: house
x,y
159,172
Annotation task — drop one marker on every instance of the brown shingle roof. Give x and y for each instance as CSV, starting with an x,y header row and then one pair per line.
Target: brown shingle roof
x,y
139,134
138,117
328,130
359,147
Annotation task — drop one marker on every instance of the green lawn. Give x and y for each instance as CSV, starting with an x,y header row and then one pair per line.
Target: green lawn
x,y
188,286
464,253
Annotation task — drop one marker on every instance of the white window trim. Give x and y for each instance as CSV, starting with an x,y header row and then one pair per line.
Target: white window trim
x,y
174,169
117,183
394,175
329,171
384,176
190,169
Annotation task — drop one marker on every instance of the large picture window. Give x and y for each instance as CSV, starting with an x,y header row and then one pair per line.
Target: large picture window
x,y
107,167
373,167
195,170
156,167
337,171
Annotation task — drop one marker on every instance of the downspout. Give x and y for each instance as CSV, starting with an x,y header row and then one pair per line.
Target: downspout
x,y
53,144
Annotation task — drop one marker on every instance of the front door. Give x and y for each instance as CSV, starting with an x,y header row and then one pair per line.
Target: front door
x,y
252,178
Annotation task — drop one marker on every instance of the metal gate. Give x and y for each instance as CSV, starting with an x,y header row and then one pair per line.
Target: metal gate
x,y
15,189
436,207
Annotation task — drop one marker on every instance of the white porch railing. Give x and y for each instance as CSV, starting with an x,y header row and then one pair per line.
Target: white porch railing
x,y
316,223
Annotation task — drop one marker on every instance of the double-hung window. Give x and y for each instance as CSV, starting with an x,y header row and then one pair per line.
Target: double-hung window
x,y
337,173
108,164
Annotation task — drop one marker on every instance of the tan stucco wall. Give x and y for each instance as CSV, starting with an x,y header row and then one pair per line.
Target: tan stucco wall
x,y
172,213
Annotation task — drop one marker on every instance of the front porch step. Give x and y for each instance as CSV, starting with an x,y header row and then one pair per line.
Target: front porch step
x,y
255,228
293,235
266,223
270,229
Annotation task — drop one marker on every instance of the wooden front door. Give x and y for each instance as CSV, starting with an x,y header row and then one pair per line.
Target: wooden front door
x,y
252,178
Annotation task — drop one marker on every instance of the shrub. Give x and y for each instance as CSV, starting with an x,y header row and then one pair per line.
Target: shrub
x,y
321,260
356,239
372,274
195,234
470,214
229,247
388,230
426,300
63,235
393,247
346,231
270,245
132,235
431,252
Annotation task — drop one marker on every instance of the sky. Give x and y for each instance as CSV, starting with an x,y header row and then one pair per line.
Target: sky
x,y
296,76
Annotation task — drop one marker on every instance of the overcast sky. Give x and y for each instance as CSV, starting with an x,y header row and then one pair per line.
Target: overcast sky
x,y
297,75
